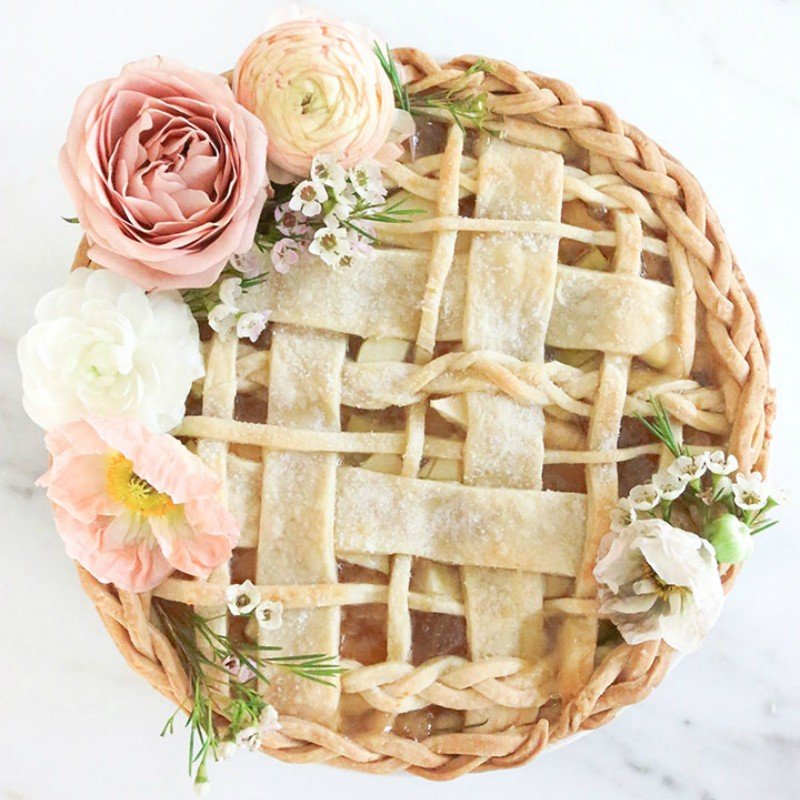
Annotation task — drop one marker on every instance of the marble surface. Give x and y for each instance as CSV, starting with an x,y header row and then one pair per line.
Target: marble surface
x,y
715,83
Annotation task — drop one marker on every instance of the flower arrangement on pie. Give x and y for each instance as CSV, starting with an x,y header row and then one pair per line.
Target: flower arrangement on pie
x,y
401,415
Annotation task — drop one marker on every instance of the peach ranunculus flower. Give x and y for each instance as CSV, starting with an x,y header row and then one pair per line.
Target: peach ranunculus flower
x,y
167,172
132,506
319,89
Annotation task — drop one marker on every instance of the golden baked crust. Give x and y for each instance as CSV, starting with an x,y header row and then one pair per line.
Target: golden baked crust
x,y
517,283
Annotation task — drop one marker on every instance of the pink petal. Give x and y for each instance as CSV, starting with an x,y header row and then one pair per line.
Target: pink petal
x,y
135,567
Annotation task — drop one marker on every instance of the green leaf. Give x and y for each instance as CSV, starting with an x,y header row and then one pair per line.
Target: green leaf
x,y
660,427
71,220
389,66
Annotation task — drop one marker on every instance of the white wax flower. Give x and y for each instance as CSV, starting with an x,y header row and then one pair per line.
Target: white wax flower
x,y
269,615
222,319
102,346
242,598
308,197
328,172
331,245
268,720
644,497
230,290
720,464
251,324
366,181
623,514
659,582
670,487
750,492
249,737
689,468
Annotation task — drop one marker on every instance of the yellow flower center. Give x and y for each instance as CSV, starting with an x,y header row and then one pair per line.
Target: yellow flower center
x,y
135,493
663,589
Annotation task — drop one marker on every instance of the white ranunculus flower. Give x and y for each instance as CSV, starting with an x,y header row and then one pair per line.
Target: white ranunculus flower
x,y
659,582
102,346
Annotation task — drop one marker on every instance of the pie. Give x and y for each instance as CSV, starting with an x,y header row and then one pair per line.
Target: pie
x,y
423,449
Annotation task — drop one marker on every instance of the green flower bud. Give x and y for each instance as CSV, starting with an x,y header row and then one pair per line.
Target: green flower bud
x,y
730,538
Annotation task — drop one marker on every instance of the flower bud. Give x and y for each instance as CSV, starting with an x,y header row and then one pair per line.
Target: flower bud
x,y
730,537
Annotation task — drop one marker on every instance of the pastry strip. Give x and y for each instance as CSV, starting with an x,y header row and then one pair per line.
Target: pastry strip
x,y
296,528
219,398
511,528
398,634
578,634
510,288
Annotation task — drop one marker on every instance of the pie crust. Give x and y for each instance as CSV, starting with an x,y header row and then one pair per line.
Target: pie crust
x,y
424,450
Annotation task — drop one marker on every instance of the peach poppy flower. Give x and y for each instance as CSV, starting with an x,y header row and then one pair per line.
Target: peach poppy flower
x,y
132,506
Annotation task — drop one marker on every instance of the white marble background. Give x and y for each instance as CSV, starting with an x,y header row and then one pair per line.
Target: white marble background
x,y
714,82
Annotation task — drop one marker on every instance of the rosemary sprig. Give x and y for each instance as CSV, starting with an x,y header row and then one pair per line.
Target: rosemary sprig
x,y
203,651
472,110
201,301
389,66
660,427
465,109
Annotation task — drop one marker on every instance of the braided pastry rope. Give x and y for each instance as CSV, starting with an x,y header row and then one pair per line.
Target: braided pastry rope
x,y
627,673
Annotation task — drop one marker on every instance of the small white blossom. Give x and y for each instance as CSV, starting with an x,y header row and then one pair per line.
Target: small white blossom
x,y
202,788
225,750
250,264
331,245
360,244
644,497
308,198
222,319
242,598
326,171
721,488
691,468
720,465
366,180
750,493
623,515
670,487
268,720
659,582
269,615
291,223
230,290
285,254
249,737
251,324
341,211
238,671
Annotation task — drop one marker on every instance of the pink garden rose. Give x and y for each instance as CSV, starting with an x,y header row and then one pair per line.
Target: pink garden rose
x,y
319,89
132,506
167,172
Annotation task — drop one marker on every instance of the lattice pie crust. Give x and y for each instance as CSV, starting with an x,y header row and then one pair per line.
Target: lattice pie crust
x,y
424,449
